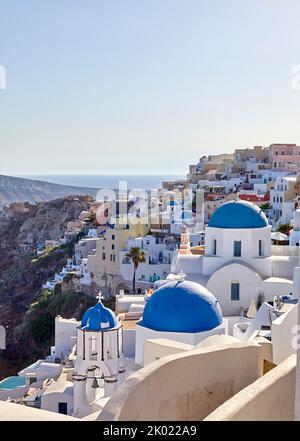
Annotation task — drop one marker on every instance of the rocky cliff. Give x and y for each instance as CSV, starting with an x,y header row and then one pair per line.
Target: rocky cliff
x,y
49,220
20,190
23,273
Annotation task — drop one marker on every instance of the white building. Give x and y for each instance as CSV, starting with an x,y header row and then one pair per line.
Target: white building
x,y
239,263
228,185
65,338
159,254
99,358
39,371
84,247
294,237
283,199
58,397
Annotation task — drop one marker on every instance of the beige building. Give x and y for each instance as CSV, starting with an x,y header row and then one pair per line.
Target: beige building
x,y
259,153
214,201
285,157
212,164
104,262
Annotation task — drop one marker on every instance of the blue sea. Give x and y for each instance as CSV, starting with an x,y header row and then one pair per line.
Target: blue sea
x,y
146,182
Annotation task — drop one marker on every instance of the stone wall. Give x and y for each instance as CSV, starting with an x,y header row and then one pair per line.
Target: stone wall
x,y
270,398
186,386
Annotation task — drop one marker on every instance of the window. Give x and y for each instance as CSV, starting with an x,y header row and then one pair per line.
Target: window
x,y
113,247
113,237
260,248
103,256
214,247
235,291
63,408
237,248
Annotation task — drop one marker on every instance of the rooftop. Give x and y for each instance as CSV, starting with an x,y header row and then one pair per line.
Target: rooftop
x,y
59,387
182,306
238,215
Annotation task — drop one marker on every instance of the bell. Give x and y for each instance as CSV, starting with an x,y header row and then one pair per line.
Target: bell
x,y
95,384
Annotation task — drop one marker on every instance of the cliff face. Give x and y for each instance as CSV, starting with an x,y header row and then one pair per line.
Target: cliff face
x,y
20,190
22,274
50,220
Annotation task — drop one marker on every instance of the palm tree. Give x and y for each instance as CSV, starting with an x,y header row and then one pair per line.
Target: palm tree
x,y
285,228
266,206
136,256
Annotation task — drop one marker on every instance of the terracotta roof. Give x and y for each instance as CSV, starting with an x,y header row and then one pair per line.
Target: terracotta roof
x,y
255,197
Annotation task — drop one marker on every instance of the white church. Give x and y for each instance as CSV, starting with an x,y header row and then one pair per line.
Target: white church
x,y
239,263
99,358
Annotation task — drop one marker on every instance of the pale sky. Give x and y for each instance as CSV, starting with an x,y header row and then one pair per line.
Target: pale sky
x,y
144,86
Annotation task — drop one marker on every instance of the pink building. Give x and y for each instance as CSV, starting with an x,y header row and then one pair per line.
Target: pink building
x,y
285,157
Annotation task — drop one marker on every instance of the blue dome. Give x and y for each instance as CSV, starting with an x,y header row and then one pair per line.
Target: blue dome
x,y
98,318
182,306
238,214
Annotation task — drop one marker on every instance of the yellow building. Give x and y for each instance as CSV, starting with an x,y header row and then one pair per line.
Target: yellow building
x,y
104,263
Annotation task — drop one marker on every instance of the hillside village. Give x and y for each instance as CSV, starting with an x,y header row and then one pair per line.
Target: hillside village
x,y
227,235
266,176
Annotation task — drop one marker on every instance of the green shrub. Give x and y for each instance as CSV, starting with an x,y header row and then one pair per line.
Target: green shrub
x,y
42,328
57,288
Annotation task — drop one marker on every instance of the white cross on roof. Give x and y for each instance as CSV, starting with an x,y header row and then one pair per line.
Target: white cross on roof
x,y
181,275
99,296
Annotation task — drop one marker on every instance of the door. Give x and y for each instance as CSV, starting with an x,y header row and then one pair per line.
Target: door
x,y
63,408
